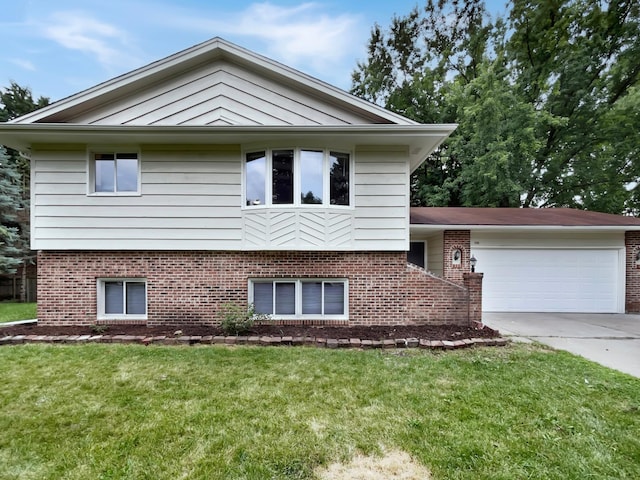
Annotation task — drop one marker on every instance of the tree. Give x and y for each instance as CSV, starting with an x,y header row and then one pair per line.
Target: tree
x,y
16,101
11,247
546,100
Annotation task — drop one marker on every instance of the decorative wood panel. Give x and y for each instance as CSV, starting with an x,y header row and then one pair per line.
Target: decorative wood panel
x,y
299,230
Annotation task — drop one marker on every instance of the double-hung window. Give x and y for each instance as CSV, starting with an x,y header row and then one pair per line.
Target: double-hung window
x,y
300,298
297,176
115,173
122,298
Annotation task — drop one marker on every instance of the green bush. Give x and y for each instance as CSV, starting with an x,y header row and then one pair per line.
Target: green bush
x,y
238,319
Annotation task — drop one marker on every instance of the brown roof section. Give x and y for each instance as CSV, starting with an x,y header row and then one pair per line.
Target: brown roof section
x,y
556,217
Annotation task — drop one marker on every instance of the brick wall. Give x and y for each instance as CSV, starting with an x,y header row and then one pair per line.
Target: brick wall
x,y
632,294
189,287
473,284
456,240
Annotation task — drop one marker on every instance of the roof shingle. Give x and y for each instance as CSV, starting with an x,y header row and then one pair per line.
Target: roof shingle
x,y
556,217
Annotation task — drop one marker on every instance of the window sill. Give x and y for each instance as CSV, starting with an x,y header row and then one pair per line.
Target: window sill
x,y
296,208
114,194
122,318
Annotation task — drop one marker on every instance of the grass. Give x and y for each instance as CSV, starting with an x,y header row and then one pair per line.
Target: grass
x,y
135,412
10,311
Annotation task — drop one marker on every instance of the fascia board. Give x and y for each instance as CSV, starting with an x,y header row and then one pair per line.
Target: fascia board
x,y
421,138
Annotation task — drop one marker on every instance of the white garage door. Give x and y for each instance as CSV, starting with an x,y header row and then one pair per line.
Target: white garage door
x,y
549,280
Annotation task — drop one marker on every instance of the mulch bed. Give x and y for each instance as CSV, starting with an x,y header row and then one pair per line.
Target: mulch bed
x,y
431,332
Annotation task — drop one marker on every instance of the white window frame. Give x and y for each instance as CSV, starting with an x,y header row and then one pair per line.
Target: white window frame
x,y
91,170
298,297
101,315
297,178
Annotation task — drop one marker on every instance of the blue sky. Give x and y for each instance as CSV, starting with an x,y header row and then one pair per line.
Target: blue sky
x,y
60,47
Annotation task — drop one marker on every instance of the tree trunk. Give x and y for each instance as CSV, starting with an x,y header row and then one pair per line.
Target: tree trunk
x,y
23,284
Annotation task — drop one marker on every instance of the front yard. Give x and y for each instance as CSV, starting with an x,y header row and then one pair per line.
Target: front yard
x,y
128,411
11,311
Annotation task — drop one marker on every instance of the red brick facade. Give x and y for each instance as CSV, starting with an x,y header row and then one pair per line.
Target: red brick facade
x,y
459,240
473,284
632,293
189,287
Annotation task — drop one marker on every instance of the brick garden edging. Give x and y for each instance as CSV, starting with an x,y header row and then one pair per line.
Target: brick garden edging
x,y
256,341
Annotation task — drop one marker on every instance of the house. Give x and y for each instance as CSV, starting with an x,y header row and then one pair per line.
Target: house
x,y
536,260
217,176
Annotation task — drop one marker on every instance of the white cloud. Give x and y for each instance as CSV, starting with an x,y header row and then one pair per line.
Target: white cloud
x,y
79,31
26,64
299,34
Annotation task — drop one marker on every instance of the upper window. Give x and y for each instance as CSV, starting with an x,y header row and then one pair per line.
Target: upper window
x,y
115,172
297,177
122,298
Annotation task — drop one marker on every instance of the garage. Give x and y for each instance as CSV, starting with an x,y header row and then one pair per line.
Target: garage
x,y
551,280
536,259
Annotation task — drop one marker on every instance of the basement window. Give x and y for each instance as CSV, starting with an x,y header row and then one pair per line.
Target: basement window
x,y
300,298
124,299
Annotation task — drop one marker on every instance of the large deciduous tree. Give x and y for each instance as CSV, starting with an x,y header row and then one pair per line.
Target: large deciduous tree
x,y
546,100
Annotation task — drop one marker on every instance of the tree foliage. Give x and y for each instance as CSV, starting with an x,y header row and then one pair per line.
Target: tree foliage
x,y
15,101
11,205
546,100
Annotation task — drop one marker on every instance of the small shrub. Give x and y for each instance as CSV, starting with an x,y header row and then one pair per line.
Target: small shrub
x,y
237,319
99,329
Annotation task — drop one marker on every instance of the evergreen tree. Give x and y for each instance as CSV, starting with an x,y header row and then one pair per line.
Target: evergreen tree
x,y
11,247
16,101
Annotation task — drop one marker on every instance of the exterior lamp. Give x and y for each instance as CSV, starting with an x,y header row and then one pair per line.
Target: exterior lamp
x,y
473,261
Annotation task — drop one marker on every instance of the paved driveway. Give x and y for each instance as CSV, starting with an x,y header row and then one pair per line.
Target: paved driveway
x,y
612,340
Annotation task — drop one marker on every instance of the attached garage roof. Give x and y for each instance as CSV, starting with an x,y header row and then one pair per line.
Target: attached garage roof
x,y
499,218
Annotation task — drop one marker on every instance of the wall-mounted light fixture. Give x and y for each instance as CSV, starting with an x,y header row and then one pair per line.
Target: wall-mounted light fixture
x,y
473,261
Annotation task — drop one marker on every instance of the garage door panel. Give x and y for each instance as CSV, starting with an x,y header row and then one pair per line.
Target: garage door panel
x,y
549,280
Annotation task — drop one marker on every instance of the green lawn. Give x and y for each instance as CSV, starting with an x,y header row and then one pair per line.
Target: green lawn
x,y
10,311
134,412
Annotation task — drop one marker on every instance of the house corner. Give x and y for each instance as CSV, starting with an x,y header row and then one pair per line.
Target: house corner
x,y
632,272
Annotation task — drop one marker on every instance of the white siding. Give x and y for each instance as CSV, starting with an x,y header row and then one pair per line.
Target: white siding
x,y
546,239
190,200
381,183
220,93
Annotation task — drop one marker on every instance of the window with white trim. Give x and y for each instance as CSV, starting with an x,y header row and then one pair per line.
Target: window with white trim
x,y
122,298
113,173
297,176
300,298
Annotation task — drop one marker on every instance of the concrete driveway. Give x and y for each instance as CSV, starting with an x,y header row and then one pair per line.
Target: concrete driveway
x,y
612,340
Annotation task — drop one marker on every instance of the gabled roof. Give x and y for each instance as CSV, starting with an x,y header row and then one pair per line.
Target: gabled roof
x,y
520,218
215,93
181,71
